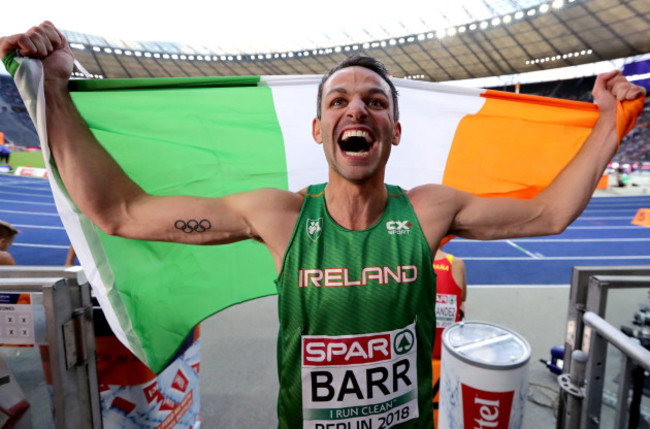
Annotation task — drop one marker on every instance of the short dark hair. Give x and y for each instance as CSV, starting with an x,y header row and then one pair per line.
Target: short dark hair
x,y
359,61
7,230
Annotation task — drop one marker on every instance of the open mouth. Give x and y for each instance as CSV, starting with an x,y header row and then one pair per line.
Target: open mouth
x,y
356,142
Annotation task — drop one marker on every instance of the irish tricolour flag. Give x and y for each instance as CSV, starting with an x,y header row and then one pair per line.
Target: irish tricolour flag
x,y
215,136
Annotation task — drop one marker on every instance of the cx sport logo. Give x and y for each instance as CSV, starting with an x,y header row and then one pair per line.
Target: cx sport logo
x,y
398,227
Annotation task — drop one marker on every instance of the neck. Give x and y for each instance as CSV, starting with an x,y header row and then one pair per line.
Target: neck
x,y
355,206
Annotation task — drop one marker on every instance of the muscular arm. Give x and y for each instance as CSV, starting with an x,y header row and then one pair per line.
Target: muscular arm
x,y
448,211
109,198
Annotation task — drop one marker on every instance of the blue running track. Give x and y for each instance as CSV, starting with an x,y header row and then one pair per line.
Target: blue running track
x,y
602,235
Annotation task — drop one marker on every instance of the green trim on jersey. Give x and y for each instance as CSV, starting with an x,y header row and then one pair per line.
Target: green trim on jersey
x,y
324,291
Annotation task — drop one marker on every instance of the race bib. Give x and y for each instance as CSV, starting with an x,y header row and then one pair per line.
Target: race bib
x,y
359,381
446,308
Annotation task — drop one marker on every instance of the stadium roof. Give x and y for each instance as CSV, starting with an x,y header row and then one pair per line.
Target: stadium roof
x,y
468,39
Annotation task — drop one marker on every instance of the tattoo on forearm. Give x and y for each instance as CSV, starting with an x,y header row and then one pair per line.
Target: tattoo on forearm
x,y
193,225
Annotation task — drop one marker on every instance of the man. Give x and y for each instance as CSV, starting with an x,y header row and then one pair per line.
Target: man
x,y
451,292
7,235
358,352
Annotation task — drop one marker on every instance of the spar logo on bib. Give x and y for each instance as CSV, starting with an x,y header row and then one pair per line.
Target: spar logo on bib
x,y
364,381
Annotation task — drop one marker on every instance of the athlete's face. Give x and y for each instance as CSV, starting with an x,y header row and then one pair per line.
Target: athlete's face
x,y
5,243
357,128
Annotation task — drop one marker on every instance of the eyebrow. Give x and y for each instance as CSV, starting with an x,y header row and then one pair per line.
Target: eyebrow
x,y
371,91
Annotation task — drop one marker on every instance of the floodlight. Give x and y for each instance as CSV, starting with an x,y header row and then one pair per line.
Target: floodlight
x,y
138,53
441,33
366,45
451,31
483,25
410,39
77,46
290,54
421,36
148,55
96,48
462,29
544,8
166,56
495,21
118,51
128,53
531,12
383,43
557,4
519,14
507,19
429,35
108,50
472,27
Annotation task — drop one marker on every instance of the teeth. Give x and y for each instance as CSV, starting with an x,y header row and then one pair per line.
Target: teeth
x,y
355,133
358,154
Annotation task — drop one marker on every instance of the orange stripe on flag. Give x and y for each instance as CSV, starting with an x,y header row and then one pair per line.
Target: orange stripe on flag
x,y
516,144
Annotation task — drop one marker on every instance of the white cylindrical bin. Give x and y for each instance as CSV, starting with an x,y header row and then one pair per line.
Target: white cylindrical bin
x,y
483,377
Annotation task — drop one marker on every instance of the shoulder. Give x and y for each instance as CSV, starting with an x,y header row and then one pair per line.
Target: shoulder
x,y
436,203
431,194
436,207
273,198
6,258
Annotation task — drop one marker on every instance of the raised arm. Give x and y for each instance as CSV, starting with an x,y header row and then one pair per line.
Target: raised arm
x,y
104,193
443,210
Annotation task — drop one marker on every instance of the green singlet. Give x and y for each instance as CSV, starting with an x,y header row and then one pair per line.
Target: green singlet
x,y
357,321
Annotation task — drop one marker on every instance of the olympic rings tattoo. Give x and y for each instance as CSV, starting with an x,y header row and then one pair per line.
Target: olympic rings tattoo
x,y
193,225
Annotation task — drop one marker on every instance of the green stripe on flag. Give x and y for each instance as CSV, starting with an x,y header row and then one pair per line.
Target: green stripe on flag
x,y
163,82
207,141
10,63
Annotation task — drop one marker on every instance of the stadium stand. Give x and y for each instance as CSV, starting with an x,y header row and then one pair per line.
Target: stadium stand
x,y
15,122
635,147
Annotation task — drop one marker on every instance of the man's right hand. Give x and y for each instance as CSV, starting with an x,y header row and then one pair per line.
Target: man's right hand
x,y
46,43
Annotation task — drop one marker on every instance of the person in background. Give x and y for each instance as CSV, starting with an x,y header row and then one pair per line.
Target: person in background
x,y
451,291
7,235
70,259
5,154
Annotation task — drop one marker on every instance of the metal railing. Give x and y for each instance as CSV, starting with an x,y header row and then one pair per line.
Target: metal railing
x,y
70,339
588,335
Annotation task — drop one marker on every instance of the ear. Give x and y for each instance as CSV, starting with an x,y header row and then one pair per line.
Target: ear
x,y
316,131
397,134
